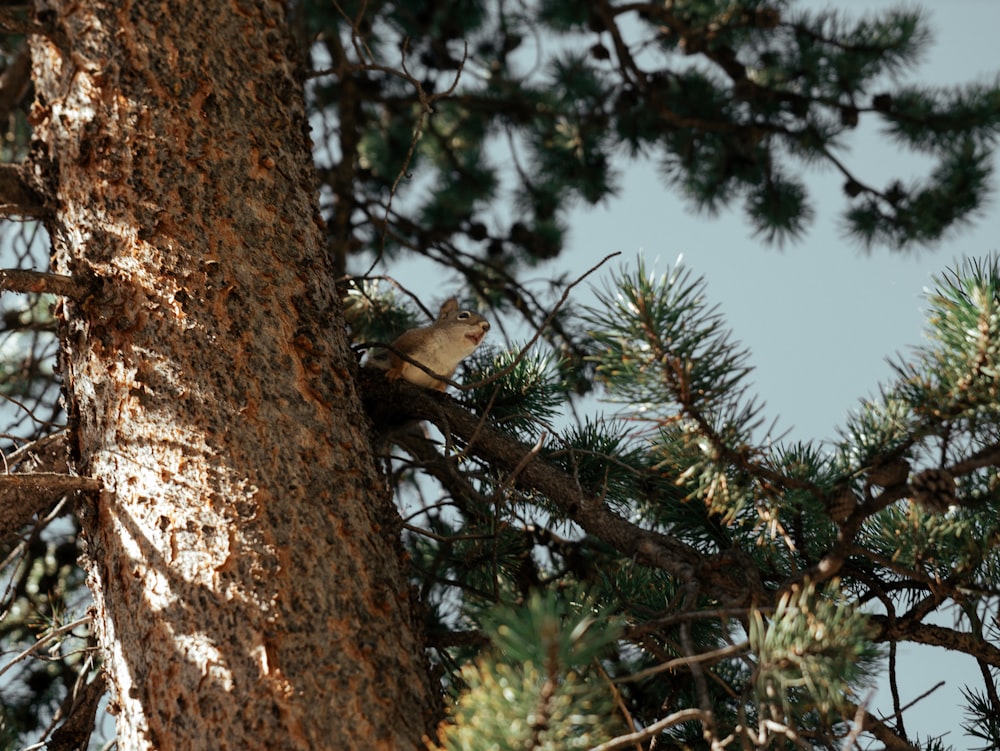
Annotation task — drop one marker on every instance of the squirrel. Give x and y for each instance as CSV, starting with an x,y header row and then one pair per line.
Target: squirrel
x,y
440,347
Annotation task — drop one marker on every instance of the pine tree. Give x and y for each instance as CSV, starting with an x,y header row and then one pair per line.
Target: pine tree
x,y
667,575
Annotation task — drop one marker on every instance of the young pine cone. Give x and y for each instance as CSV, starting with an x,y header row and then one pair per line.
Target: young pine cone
x,y
933,490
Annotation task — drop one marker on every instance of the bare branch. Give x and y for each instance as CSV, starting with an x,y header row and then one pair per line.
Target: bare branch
x,y
923,696
24,495
47,454
715,655
45,639
361,346
684,715
937,636
541,328
41,282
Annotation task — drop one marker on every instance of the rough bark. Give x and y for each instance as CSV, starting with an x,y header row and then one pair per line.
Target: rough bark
x,y
243,556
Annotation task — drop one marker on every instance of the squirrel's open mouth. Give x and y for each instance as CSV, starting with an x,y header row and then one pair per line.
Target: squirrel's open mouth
x,y
476,337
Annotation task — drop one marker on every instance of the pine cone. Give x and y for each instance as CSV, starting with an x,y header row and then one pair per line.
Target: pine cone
x,y
887,473
840,504
933,490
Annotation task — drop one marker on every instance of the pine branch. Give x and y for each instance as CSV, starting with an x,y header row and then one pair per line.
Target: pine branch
x,y
729,576
17,198
936,636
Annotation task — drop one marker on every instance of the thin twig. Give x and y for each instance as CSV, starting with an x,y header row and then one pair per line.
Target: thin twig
x,y
524,350
41,449
693,615
418,131
924,695
445,538
894,687
352,279
406,358
714,655
619,701
513,474
684,715
698,675
42,640
365,55
859,722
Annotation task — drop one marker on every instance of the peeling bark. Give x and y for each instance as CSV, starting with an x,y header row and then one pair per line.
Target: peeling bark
x,y
243,553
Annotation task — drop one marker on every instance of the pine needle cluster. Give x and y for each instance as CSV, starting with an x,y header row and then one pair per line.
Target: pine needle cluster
x,y
803,560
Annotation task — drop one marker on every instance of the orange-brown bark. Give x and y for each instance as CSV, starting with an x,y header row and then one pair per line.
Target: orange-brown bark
x,y
249,592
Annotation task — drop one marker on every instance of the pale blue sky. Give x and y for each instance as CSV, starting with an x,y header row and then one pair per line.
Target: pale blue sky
x,y
821,317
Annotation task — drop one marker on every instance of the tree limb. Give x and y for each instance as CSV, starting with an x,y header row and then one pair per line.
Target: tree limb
x,y
78,726
937,636
24,495
726,576
47,454
40,282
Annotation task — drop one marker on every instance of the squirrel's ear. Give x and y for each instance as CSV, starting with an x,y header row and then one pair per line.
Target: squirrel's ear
x,y
450,306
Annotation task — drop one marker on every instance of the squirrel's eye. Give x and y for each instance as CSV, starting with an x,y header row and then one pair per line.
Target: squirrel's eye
x,y
464,315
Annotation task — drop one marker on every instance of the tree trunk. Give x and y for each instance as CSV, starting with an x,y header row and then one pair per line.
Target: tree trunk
x,y
243,554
